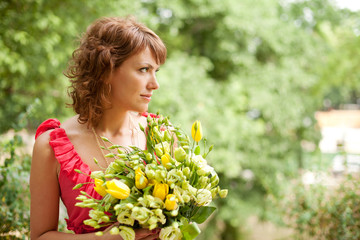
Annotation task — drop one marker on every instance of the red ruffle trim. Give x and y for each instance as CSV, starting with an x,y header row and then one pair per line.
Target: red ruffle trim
x,y
69,158
47,125
69,161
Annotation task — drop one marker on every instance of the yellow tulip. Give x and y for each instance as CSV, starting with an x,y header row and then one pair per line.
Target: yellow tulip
x,y
165,159
117,189
171,202
161,190
99,187
140,180
196,131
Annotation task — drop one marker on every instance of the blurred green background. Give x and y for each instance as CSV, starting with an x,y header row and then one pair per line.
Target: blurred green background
x,y
254,72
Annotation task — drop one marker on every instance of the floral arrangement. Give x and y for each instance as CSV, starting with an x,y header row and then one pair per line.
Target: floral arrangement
x,y
168,186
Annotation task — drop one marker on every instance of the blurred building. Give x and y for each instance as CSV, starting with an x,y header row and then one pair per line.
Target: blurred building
x,y
340,130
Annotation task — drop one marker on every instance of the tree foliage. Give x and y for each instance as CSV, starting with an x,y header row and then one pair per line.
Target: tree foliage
x,y
253,72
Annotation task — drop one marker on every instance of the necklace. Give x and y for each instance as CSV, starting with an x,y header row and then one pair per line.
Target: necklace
x,y
99,145
135,141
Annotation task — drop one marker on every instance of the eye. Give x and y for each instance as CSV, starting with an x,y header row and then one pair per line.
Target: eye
x,y
144,69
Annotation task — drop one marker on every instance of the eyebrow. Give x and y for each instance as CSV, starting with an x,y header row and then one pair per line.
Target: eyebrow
x,y
149,65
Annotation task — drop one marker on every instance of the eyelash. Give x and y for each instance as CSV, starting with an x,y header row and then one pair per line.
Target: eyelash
x,y
144,69
147,69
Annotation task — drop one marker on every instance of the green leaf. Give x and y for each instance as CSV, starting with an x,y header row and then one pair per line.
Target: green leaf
x,y
202,214
190,231
197,150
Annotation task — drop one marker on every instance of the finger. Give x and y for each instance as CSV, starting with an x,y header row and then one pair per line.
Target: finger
x,y
151,237
110,227
142,233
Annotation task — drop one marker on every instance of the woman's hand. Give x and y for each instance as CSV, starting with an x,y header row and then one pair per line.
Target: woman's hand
x,y
146,234
140,234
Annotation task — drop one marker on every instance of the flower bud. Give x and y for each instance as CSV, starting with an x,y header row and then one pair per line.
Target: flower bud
x,y
148,156
110,175
174,213
105,219
99,187
135,157
158,151
114,231
223,193
196,131
166,160
214,192
141,127
121,155
81,198
180,154
77,186
186,198
186,172
129,205
117,189
110,155
97,174
90,205
80,204
201,172
185,185
160,190
150,173
203,181
90,222
167,136
171,202
140,180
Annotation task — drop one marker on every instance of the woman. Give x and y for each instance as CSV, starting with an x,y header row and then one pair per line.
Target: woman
x,y
113,77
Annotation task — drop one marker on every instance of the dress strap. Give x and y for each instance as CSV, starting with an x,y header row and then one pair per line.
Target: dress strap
x,y
51,123
65,153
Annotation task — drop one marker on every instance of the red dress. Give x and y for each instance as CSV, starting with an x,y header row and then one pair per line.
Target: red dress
x,y
69,161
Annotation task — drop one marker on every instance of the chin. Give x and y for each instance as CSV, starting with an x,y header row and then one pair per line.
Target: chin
x,y
140,109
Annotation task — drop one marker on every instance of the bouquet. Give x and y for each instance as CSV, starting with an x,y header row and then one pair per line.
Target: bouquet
x,y
169,185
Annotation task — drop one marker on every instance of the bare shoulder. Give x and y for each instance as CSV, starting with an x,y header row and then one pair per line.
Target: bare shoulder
x,y
42,145
72,126
43,157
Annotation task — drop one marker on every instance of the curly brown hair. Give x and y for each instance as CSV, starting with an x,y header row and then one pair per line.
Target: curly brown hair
x,y
106,44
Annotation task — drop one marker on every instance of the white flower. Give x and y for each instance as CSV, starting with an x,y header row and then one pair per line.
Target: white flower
x,y
127,233
199,161
170,233
124,217
141,214
203,197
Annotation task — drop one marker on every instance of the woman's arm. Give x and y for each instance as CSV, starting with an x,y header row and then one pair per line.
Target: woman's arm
x,y
45,194
44,189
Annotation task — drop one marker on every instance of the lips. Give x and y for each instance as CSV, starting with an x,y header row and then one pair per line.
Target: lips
x,y
146,96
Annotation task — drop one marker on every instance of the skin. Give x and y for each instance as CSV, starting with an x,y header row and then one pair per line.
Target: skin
x,y
132,85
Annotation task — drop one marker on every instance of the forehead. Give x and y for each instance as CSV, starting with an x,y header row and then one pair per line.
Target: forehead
x,y
143,56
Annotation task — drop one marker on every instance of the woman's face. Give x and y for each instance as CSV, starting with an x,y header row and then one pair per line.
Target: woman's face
x,y
133,83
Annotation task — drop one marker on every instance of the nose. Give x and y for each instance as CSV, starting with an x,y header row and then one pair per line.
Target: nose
x,y
153,83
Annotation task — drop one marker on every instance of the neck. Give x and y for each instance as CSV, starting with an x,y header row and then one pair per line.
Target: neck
x,y
115,123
